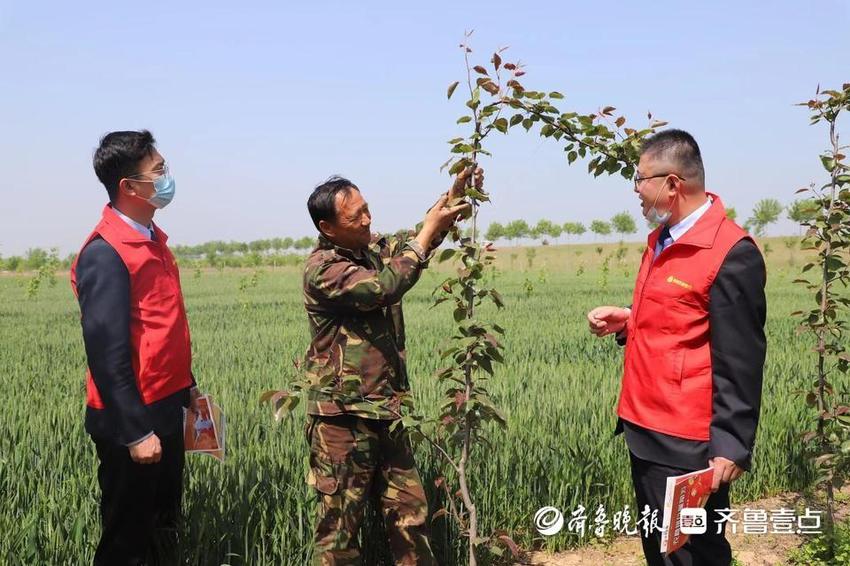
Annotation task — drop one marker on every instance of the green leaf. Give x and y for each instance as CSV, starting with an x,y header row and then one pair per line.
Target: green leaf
x,y
462,148
459,166
286,406
555,94
464,119
446,255
269,395
828,162
477,195
459,314
497,300
486,365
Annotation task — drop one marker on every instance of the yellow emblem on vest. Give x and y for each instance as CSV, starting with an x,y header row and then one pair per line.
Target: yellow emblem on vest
x,y
679,282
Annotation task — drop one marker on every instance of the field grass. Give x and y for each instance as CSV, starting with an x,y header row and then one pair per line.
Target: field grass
x,y
558,389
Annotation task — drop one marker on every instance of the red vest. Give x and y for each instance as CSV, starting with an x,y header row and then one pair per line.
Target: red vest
x,y
667,378
159,331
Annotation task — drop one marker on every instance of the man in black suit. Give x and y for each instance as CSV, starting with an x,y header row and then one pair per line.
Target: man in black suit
x,y
139,355
695,344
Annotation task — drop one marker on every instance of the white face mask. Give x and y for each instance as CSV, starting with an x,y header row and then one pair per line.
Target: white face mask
x,y
655,217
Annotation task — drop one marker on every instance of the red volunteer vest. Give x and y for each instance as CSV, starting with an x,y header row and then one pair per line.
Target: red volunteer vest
x,y
667,377
159,330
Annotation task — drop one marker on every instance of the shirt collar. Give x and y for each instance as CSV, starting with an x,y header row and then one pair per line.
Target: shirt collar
x,y
678,230
325,243
146,231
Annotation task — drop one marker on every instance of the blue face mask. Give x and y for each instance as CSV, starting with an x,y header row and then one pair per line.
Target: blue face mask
x,y
164,185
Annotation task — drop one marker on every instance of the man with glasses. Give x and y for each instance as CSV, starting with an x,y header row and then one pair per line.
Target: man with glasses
x,y
139,355
695,343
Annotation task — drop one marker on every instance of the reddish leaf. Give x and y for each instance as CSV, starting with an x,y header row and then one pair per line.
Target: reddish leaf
x,y
490,87
509,542
497,61
460,399
451,89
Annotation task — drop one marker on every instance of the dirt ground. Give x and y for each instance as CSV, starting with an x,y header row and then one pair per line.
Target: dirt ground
x,y
748,549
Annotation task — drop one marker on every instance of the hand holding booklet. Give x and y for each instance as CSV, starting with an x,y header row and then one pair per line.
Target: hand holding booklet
x,y
686,492
203,430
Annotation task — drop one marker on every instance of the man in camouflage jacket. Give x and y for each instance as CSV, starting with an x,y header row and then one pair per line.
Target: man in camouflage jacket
x,y
353,286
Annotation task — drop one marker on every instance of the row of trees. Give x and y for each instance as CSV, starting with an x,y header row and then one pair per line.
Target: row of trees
x,y
765,213
277,251
263,247
34,259
622,223
272,251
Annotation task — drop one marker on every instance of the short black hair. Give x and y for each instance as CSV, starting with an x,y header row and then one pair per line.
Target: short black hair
x,y
118,156
322,202
679,148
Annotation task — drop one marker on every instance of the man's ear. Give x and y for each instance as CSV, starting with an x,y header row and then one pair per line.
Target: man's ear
x,y
125,186
325,228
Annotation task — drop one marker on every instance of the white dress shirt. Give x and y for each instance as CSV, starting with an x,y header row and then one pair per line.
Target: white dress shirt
x,y
146,231
678,230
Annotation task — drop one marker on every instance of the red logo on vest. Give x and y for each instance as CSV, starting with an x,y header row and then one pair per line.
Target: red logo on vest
x,y
159,330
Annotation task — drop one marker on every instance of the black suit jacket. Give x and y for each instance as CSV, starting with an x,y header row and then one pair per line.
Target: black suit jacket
x,y
103,289
737,313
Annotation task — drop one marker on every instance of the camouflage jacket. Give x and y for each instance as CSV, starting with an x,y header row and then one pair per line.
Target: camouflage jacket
x,y
356,360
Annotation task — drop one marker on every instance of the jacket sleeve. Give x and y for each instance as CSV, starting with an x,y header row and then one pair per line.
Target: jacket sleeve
x,y
341,282
737,312
103,288
622,336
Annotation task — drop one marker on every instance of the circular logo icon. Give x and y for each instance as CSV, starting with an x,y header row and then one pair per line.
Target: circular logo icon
x,y
548,521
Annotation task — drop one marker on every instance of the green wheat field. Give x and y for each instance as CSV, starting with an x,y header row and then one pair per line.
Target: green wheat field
x,y
558,389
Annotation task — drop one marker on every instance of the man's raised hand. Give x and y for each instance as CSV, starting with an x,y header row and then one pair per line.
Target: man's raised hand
x,y
607,320
459,186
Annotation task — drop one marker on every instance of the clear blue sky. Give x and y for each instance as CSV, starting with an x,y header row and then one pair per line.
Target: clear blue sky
x,y
253,104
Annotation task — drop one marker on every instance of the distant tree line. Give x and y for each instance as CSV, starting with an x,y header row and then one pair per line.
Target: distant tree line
x,y
290,251
622,224
217,253
765,212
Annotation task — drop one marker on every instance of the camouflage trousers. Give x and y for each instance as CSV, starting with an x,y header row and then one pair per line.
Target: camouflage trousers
x,y
353,461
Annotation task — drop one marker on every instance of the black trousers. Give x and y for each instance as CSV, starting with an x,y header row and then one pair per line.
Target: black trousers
x,y
708,549
140,504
